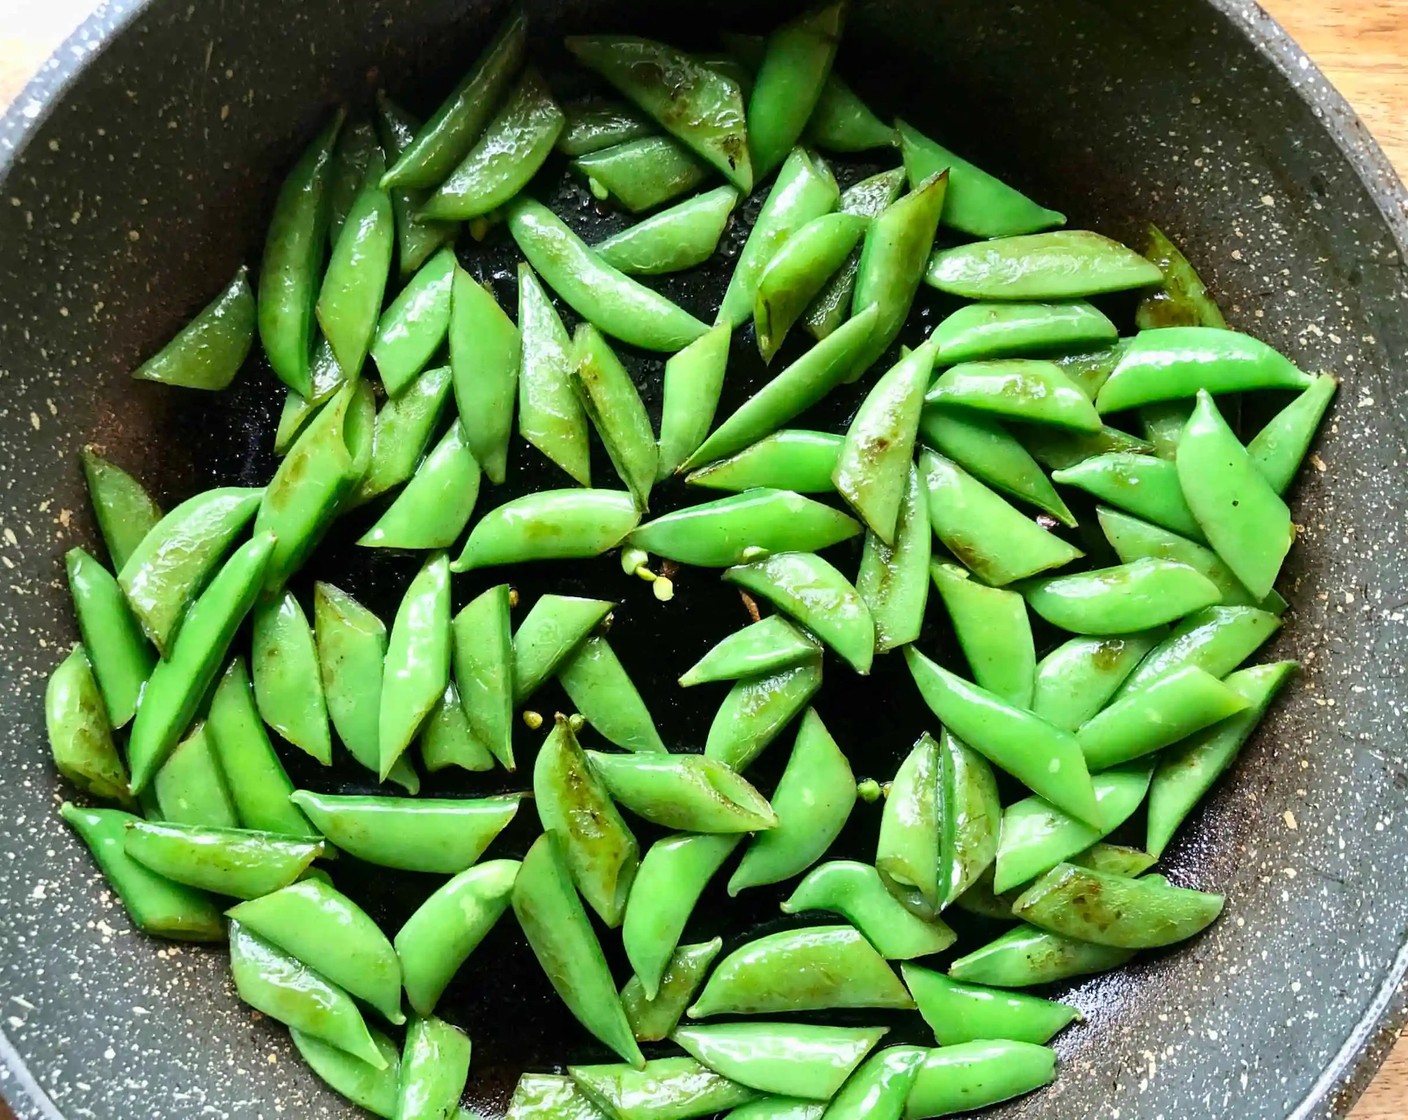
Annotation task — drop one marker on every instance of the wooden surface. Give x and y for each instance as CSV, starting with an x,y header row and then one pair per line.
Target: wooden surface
x,y
1362,45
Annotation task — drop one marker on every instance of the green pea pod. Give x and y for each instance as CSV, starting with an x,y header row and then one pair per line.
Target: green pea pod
x,y
893,582
694,379
842,122
238,862
977,203
547,1096
892,262
857,893
447,927
1240,513
123,509
552,629
865,199
907,854
438,835
764,647
984,331
1280,447
1044,758
1187,770
673,875
1109,910
485,353
550,416
1182,300
811,969
1122,599
653,1018
641,174
798,271
155,904
416,238
1171,708
259,786
1114,859
483,660
349,302
322,469
801,385
417,661
331,934
983,531
209,350
969,813
788,1059
779,1108
1063,264
288,686
735,529
360,1082
993,631
991,454
611,401
561,937
293,261
675,239
1089,369
402,432
600,852
179,681
879,1088
977,1074
433,509
453,129
448,740
791,459
959,1013
1026,389
688,792
1216,640
604,296
412,328
1163,423
298,411
698,106
662,1089
1139,484
1026,956
80,736
818,596
813,800
793,72
599,124
1036,835
164,573
602,691
757,709
1057,448
506,156
121,659
190,787
434,1069
1078,678
1174,363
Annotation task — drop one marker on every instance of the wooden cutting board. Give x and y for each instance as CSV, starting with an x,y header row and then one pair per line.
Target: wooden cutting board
x,y
1362,45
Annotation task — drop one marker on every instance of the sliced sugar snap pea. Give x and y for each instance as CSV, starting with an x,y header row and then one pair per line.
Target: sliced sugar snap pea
x,y
355,145
688,792
1062,264
298,411
813,800
1171,708
795,66
907,852
1114,859
818,596
561,937
1187,770
1109,910
788,1059
865,199
1078,678
417,664
121,658
978,203
757,709
602,691
236,862
402,432
354,282
694,379
190,787
1026,389
591,126
434,1069
1122,599
983,331
1280,447
893,582
1216,640
798,271
80,736
792,459
764,647
857,893
969,814
977,1074
125,512
842,122
698,106
485,354
672,876
1056,448
879,1088
600,852
993,630
1089,369
433,509
779,1108
506,156
662,1089
552,629
612,403
1042,757
446,739
652,1019
573,524
550,416
547,1096
604,296
360,1082
642,174
288,687
413,327
1163,423
416,238
483,669
735,529
208,351
1182,300
438,835
681,237
985,533
1139,484
959,1013
1026,956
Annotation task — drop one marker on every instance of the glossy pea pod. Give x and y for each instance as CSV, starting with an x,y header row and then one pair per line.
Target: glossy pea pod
x,y
653,1018
436,505
766,646
737,529
865,199
298,411
907,853
842,122
360,1082
681,237
795,65
994,632
779,1108
550,415
434,1069
797,273
355,145
413,326
756,711
597,124
641,174
354,282
1216,640
288,687
786,1059
987,330
1122,599
1104,909
857,893
694,379
571,524
1062,264
123,509
1280,447
447,739
417,665
688,792
120,656
190,787
893,581
1056,448
485,355
1145,720
538,1096
1026,956
959,1013
612,403
208,351
552,629
791,459
977,1074
80,736
416,238
603,693
1030,390
1142,485
402,431
1078,678
241,863
483,669
1182,300
661,1087
879,1088
969,815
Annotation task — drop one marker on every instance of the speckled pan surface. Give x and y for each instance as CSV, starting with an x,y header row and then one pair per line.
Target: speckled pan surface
x,y
135,173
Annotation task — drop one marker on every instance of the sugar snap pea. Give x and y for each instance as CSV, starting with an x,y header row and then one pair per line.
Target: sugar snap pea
x,y
689,792
360,1082
698,106
438,835
1089,369
208,351
799,270
446,739
612,403
795,66
1057,448
550,416
125,512
907,852
1143,485
604,296
1076,679
791,459
117,650
818,596
434,1069
766,646
546,1096
694,379
977,1074
865,199
508,153
433,509
1144,720
779,1108
598,685
1109,910
983,331
237,862
662,1089
641,174
1027,389
681,237
1062,264
1280,447
959,1013
1216,640
288,687
190,787
1163,423
402,432
857,893
80,736
842,122
735,529
485,354
413,327
993,630
879,1088
354,282
416,238
1183,300
483,670
550,525
787,1059
652,1019
969,814
417,665
1026,956
893,582
591,126
977,203
552,629
1122,599
813,799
